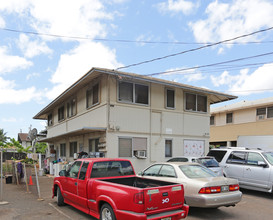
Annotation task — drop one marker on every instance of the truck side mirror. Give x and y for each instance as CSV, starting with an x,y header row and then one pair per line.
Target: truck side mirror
x,y
63,173
262,164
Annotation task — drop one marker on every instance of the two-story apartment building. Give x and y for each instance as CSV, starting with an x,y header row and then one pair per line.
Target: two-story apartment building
x,y
253,119
116,114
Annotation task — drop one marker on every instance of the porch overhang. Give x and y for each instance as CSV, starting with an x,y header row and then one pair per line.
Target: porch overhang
x,y
81,131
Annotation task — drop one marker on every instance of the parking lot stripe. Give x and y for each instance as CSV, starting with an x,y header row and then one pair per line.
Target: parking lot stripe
x,y
59,211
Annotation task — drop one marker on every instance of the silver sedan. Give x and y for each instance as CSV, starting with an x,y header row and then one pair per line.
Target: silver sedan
x,y
202,187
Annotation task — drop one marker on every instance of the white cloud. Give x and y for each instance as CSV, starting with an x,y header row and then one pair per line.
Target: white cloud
x,y
79,61
62,17
81,17
9,63
32,75
246,83
2,22
12,119
6,84
32,48
258,81
228,20
176,6
12,96
194,77
191,75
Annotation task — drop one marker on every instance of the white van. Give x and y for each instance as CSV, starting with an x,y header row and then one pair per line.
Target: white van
x,y
252,168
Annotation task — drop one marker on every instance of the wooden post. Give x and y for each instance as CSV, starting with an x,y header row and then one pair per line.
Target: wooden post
x,y
16,174
25,171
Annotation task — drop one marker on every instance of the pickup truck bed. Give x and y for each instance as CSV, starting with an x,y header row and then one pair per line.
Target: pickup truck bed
x,y
138,182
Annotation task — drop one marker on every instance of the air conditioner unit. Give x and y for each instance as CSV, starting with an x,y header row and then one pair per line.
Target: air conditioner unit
x,y
260,117
141,154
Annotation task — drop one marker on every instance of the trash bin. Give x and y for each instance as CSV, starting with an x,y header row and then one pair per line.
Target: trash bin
x,y
8,179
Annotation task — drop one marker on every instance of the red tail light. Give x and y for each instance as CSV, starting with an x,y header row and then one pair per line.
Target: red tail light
x,y
209,190
139,198
234,187
218,189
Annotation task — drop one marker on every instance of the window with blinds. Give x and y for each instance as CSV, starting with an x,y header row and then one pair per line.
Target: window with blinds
x,y
131,146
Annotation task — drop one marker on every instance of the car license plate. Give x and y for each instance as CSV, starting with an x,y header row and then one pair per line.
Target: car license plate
x,y
168,218
224,188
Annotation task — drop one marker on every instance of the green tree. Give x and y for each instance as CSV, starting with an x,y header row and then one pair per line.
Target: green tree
x,y
3,137
19,147
41,147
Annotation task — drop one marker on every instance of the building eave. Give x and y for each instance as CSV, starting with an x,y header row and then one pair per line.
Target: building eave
x,y
214,96
81,131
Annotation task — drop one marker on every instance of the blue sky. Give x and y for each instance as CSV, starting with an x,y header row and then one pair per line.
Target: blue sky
x,y
36,68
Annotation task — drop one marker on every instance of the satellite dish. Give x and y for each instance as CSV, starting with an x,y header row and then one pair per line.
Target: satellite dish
x,y
32,134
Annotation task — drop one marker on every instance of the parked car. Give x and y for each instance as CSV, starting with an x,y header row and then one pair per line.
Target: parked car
x,y
109,189
202,187
206,161
253,168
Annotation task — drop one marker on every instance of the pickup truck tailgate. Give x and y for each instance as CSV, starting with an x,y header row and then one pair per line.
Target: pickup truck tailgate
x,y
164,197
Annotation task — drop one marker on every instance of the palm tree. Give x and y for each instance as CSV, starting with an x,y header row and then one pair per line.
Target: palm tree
x,y
3,137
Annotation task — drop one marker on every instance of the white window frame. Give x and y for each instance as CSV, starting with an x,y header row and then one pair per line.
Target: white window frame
x,y
134,147
50,122
70,152
212,116
229,113
196,103
171,140
63,151
134,93
69,107
61,119
268,110
91,90
166,98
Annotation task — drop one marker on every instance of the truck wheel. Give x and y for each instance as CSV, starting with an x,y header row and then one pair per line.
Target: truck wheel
x,y
107,213
60,199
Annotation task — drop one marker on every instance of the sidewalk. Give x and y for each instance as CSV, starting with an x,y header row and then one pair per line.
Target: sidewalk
x,y
23,205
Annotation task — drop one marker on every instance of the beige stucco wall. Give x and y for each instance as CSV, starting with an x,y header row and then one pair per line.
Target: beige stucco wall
x,y
232,131
245,122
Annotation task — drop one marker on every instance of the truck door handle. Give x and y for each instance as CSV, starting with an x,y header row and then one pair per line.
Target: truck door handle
x,y
76,184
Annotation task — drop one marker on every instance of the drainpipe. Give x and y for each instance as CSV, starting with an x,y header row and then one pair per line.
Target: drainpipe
x,y
108,102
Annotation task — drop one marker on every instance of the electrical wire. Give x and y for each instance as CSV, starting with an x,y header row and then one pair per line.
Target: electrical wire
x,y
125,40
194,49
210,65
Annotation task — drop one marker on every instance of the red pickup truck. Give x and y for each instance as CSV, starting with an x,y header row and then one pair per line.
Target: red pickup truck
x,y
109,189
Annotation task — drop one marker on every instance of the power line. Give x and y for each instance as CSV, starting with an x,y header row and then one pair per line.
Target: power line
x,y
252,90
209,65
194,49
125,40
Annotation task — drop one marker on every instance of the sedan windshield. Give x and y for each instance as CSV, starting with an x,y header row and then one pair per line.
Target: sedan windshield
x,y
269,157
195,171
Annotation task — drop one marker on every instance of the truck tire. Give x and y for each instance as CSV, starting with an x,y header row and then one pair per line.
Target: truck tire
x,y
60,199
107,213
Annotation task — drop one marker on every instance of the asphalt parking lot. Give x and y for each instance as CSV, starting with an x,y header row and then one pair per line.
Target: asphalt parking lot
x,y
22,205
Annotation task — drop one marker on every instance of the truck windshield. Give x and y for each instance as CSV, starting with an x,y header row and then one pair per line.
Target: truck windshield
x,y
111,168
269,157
